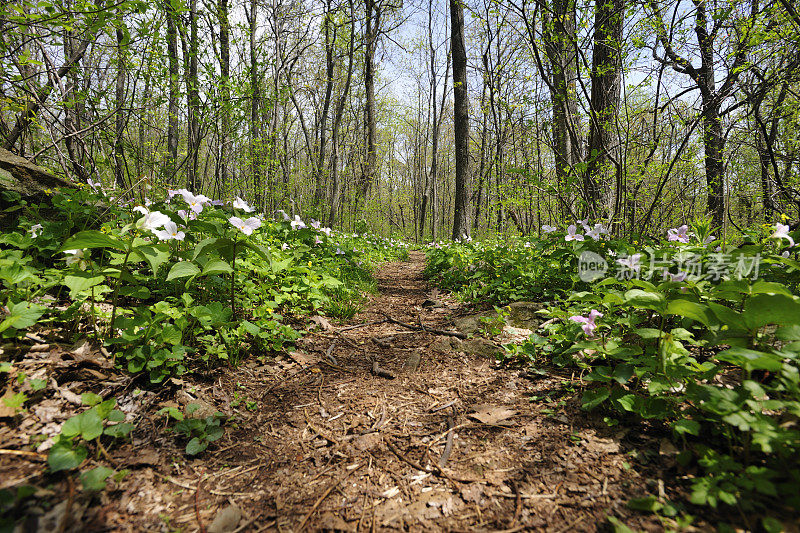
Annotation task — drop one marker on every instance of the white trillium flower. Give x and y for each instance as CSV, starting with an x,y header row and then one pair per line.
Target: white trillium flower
x,y
572,234
297,223
152,221
169,232
245,226
76,257
548,228
782,232
238,203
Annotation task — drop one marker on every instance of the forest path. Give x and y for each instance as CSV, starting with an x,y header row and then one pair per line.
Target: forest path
x,y
319,445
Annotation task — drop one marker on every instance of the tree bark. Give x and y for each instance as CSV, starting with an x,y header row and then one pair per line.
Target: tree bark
x,y
460,119
606,68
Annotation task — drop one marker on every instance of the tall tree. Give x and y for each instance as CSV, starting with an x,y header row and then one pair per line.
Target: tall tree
x,y
174,89
606,69
707,28
460,118
225,92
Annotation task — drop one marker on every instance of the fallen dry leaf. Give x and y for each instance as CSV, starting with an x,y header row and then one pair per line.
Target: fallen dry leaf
x,y
491,414
322,322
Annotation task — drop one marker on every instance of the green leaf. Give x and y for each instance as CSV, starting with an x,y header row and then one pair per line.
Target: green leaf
x,y
104,409
23,315
195,446
119,430
92,239
648,504
153,255
593,398
63,456
183,269
645,299
91,399
81,281
751,359
95,479
763,309
686,426
618,526
216,266
695,311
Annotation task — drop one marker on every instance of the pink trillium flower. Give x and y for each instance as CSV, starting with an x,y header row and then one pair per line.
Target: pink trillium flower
x,y
572,234
245,226
679,234
782,232
286,218
326,231
315,224
588,322
548,229
218,203
169,232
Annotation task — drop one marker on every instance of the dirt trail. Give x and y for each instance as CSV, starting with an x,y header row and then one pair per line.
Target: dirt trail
x,y
322,443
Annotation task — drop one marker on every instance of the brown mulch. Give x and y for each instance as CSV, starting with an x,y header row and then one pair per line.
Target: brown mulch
x,y
367,427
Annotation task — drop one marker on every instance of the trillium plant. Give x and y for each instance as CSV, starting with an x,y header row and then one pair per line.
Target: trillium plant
x,y
588,322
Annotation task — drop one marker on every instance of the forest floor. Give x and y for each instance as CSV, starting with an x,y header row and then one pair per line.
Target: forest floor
x,y
429,439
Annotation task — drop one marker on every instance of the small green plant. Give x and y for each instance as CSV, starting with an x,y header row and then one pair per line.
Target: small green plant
x,y
200,431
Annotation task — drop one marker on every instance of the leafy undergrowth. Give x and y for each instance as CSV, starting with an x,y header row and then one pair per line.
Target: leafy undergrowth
x,y
182,285
691,336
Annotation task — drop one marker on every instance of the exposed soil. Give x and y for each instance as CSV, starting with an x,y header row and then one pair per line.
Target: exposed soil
x,y
321,442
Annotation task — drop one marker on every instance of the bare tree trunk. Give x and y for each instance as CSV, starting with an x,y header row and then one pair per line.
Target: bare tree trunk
x,y
255,101
119,125
225,71
174,92
606,68
336,186
460,119
370,41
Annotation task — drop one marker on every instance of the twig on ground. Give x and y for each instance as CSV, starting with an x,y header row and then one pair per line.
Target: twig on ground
x,y
435,469
448,447
322,498
456,334
319,432
517,503
67,518
24,453
365,324
197,507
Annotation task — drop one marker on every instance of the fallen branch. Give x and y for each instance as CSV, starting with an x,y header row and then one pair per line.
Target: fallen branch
x,y
380,372
456,334
374,323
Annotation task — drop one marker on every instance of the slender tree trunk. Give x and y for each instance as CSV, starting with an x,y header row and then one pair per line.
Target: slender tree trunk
x,y
225,71
370,41
193,100
119,129
460,119
174,92
256,145
606,68
336,186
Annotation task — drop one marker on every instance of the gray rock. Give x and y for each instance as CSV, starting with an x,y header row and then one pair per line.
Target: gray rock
x,y
480,347
226,520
